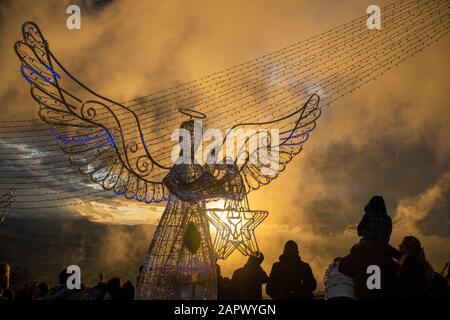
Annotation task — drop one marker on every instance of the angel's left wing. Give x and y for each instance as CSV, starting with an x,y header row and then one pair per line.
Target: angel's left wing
x,y
103,138
262,150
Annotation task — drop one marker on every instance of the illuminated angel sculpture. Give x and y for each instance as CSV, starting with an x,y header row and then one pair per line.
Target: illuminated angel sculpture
x,y
108,141
130,148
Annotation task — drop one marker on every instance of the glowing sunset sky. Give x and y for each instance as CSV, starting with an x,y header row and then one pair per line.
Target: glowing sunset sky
x,y
390,138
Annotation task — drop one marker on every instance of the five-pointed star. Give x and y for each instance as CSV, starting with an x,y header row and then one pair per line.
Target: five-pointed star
x,y
235,229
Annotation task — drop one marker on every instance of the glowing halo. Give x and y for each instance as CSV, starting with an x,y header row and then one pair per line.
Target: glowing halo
x,y
192,113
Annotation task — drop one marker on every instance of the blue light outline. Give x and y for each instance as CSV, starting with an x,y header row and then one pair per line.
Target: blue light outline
x,y
34,71
86,139
111,140
306,134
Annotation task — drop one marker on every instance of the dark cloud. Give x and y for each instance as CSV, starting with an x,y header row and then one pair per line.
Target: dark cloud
x,y
322,214
95,6
384,165
57,213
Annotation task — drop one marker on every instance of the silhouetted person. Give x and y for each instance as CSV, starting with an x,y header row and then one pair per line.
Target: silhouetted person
x,y
8,294
28,293
415,274
97,292
291,278
62,292
42,289
247,281
224,289
127,291
5,276
112,289
373,250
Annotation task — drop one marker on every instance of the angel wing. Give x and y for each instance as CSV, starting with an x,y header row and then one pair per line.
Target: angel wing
x,y
91,128
265,149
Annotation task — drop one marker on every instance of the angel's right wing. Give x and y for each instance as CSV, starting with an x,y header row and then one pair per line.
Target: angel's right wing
x,y
101,137
261,165
268,149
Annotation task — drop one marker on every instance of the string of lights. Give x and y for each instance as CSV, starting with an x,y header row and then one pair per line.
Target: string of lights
x,y
332,65
30,142
370,73
393,15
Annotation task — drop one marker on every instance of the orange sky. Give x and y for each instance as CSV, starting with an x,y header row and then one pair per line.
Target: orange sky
x,y
390,138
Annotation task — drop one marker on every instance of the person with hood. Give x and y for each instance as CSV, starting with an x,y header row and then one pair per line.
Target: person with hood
x,y
247,281
373,251
291,278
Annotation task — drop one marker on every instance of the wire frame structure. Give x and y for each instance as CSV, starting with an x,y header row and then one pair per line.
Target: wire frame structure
x,y
235,226
126,147
331,64
114,152
180,263
7,201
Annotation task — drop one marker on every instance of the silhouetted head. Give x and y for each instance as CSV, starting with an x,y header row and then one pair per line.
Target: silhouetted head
x,y
63,276
410,245
375,225
127,291
256,259
42,289
113,283
290,248
376,205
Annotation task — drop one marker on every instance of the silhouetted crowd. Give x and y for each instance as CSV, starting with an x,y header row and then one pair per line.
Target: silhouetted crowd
x,y
110,290
373,269
290,278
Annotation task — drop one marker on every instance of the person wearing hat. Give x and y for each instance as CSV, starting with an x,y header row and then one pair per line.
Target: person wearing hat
x,y
372,253
376,225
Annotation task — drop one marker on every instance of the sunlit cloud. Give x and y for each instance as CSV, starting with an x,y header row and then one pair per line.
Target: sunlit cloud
x,y
390,138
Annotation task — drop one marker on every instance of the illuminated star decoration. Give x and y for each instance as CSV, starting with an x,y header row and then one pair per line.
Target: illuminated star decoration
x,y
235,226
